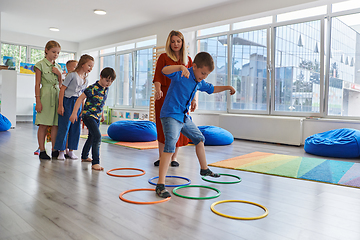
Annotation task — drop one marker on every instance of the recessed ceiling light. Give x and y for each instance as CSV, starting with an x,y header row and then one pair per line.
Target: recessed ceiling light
x,y
99,12
54,29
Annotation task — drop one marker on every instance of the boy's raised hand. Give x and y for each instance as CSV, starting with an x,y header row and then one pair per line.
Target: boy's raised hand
x,y
232,90
185,72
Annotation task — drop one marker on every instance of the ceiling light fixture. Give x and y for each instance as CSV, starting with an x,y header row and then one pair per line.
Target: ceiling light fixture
x,y
54,29
99,12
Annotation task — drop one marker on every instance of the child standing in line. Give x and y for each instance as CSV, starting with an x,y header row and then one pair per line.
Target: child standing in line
x,y
184,84
72,87
47,82
92,114
70,67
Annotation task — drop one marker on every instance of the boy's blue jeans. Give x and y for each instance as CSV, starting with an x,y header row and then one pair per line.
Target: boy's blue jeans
x,y
172,129
65,127
93,141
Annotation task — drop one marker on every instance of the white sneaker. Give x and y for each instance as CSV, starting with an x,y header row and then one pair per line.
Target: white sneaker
x,y
72,155
61,155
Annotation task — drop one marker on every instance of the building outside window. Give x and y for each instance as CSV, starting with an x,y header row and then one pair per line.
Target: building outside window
x,y
217,47
249,70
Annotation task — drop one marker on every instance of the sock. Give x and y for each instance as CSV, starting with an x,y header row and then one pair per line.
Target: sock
x,y
61,155
208,172
67,151
161,191
72,155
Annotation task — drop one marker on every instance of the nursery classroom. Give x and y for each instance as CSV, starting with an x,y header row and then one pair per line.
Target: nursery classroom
x,y
291,169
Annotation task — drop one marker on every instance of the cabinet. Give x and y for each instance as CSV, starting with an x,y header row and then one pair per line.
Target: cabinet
x,y
8,89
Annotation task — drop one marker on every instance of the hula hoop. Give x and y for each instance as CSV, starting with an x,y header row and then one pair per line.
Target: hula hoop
x,y
240,218
223,174
141,189
135,175
200,198
178,185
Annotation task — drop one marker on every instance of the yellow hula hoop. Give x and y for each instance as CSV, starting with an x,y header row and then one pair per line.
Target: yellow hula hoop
x,y
239,218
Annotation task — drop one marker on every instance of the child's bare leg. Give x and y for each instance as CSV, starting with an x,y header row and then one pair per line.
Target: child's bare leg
x,y
200,153
97,167
163,167
54,130
41,137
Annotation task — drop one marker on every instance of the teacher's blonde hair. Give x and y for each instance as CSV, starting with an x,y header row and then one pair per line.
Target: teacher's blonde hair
x,y
183,53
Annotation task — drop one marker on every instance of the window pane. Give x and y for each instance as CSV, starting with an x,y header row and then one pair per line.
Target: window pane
x,y
125,47
36,55
309,12
344,77
144,62
124,80
14,54
252,23
213,30
217,47
347,5
151,42
109,61
297,67
107,50
249,75
65,56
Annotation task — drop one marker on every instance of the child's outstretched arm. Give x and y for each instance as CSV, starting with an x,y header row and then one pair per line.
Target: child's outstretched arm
x,y
78,102
218,89
176,68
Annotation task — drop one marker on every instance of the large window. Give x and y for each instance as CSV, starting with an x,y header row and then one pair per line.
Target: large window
x,y
109,61
125,79
12,55
217,47
133,66
249,70
344,73
144,62
297,67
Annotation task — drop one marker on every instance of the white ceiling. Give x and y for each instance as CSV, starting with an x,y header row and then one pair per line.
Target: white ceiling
x,y
77,22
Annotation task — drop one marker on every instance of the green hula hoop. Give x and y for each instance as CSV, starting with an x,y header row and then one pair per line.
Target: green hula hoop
x,y
224,174
199,198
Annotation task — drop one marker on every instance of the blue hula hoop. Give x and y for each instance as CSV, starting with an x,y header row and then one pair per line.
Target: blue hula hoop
x,y
179,185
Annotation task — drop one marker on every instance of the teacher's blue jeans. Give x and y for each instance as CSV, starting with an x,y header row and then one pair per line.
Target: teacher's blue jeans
x,y
93,141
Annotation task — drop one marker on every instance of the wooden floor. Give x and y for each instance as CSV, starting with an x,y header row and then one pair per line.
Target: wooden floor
x,y
67,200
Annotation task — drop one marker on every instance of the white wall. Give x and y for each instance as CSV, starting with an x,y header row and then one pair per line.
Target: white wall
x,y
211,15
37,41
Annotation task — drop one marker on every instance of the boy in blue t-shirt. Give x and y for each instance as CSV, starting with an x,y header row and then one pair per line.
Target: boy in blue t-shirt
x,y
92,114
174,118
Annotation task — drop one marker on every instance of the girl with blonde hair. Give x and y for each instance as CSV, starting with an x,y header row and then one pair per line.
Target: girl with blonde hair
x,y
73,86
47,81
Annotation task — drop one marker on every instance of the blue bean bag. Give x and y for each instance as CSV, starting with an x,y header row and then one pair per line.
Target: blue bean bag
x,y
132,131
5,124
342,143
216,136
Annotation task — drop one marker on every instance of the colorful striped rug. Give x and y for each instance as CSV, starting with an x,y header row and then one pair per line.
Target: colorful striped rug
x,y
315,169
136,145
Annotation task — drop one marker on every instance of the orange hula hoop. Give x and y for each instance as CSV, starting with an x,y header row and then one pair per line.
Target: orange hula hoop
x,y
116,175
141,189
